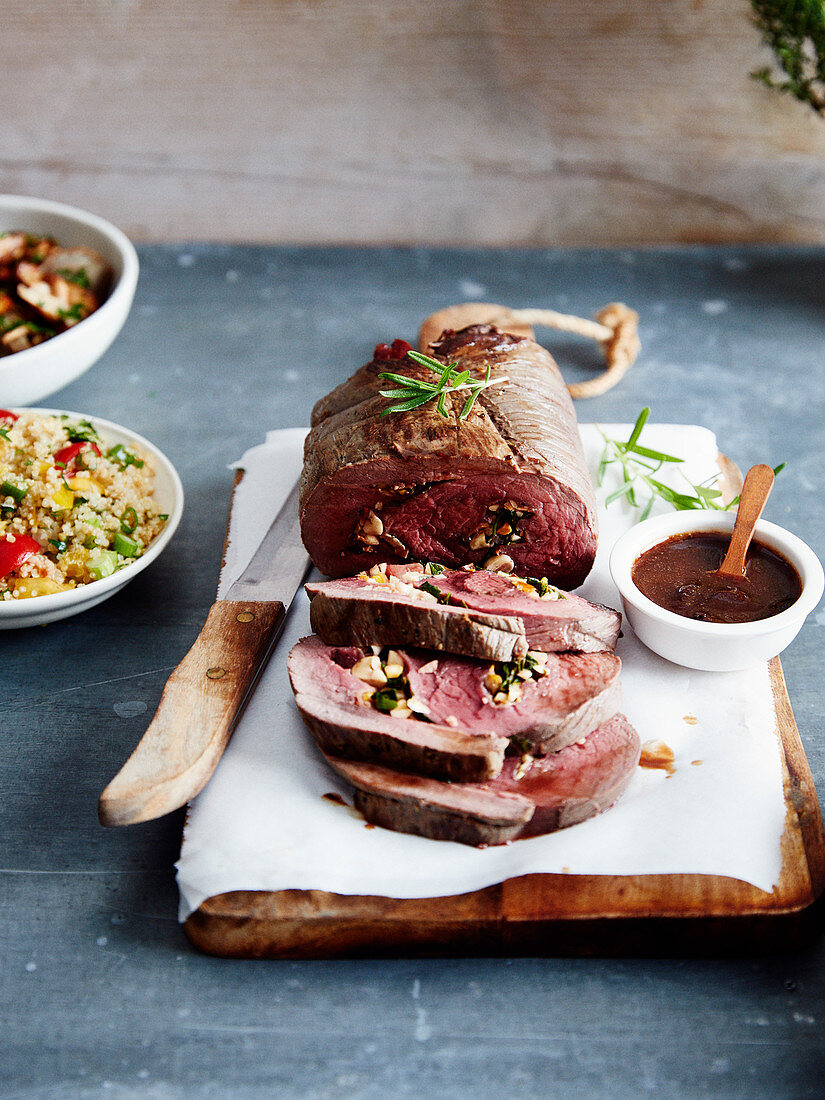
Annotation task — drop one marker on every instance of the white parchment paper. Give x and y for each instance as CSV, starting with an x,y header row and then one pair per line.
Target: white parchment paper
x,y
262,822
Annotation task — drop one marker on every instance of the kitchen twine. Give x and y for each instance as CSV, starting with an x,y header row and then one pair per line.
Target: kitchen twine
x,y
615,329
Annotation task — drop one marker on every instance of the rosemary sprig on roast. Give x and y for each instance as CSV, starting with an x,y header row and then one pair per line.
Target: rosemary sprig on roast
x,y
640,464
413,392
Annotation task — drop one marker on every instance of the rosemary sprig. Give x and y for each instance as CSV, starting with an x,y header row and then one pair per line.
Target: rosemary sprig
x,y
640,464
412,392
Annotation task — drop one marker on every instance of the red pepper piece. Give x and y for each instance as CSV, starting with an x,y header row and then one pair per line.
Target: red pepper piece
x,y
66,456
7,414
397,350
13,554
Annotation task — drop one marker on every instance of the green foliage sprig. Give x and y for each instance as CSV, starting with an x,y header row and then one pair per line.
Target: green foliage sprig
x,y
412,392
640,487
795,32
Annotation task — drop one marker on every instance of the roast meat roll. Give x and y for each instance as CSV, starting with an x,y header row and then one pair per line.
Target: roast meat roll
x,y
507,484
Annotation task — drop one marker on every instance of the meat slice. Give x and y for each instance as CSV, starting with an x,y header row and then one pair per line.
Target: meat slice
x,y
494,616
336,707
414,485
462,732
554,792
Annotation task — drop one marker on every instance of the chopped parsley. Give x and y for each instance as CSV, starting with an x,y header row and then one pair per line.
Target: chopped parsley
x,y
73,313
79,277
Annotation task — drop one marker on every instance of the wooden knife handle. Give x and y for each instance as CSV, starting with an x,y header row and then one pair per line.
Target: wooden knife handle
x,y
200,704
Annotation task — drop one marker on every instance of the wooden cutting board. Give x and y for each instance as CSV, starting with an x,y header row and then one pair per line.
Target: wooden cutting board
x,y
554,914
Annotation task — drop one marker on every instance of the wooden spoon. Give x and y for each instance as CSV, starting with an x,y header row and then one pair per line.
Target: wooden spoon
x,y
755,492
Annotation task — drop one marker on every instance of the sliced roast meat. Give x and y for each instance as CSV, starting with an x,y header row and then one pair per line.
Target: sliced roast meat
x,y
577,692
558,790
494,616
336,707
461,732
510,478
469,813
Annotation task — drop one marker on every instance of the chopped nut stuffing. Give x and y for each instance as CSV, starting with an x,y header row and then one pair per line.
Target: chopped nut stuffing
x,y
506,679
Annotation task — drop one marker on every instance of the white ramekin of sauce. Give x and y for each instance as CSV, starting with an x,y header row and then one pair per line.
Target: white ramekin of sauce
x,y
698,642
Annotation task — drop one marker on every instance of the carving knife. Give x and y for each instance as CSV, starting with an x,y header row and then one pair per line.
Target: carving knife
x,y
206,693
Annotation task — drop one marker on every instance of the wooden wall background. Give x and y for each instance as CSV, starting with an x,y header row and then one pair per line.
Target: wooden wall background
x,y
461,121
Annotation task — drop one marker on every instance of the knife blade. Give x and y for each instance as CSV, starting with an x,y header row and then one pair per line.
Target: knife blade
x,y
207,692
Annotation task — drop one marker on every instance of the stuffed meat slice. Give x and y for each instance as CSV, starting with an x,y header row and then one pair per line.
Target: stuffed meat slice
x,y
448,717
495,616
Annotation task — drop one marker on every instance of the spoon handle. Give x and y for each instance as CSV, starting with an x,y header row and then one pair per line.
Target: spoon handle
x,y
755,492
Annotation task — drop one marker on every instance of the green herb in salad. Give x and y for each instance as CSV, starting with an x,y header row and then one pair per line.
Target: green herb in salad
x,y
16,492
128,520
81,431
124,457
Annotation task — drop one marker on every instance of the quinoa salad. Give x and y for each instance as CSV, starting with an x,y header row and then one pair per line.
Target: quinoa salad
x,y
74,508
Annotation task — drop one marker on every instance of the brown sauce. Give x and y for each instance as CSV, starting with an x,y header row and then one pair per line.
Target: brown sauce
x,y
333,796
679,575
656,754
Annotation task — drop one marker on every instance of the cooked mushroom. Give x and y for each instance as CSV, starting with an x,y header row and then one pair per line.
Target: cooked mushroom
x,y
47,288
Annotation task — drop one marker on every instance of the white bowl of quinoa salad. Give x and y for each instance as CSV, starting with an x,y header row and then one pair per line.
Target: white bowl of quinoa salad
x,y
85,505
67,281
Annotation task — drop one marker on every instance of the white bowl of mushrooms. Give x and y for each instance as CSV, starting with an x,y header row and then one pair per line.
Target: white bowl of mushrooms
x,y
67,280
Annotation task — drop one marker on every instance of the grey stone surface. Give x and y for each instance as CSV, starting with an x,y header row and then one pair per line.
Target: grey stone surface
x,y
100,992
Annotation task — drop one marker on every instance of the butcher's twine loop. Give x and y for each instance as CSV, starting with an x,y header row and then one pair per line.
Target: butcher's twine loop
x,y
615,330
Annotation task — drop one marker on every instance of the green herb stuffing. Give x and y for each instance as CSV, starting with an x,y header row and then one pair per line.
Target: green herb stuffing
x,y
428,586
385,699
508,672
544,587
